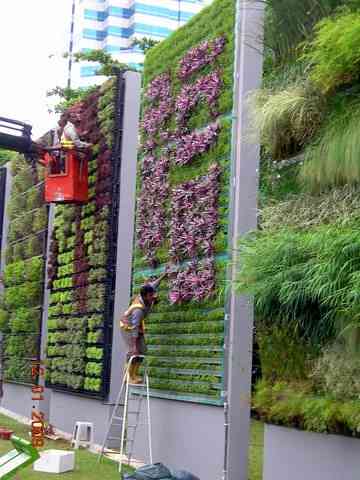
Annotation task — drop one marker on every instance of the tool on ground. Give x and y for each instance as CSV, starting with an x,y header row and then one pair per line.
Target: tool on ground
x,y
126,415
21,456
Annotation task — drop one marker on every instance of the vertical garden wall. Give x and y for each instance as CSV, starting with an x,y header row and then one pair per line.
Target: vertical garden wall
x,y
82,255
302,265
21,309
182,202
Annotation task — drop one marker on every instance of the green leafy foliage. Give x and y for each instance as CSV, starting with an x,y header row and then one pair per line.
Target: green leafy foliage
x,y
333,51
6,156
287,119
284,356
290,22
333,159
337,373
145,43
69,96
304,279
23,274
302,211
296,407
303,264
107,64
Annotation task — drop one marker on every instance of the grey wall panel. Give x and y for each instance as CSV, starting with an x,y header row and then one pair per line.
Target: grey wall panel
x,y
126,222
293,454
17,399
65,410
185,436
5,228
245,164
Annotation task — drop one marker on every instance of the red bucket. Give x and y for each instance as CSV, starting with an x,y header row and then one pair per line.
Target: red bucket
x,y
5,434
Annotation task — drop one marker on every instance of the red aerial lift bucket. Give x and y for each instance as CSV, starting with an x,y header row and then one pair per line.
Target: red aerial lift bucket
x,y
66,176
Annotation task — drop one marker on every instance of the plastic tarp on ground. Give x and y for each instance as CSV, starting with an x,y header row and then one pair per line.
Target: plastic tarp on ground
x,y
158,471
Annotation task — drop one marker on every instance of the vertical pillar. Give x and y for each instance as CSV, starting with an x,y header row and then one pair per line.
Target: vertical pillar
x,y
245,165
126,221
44,405
5,220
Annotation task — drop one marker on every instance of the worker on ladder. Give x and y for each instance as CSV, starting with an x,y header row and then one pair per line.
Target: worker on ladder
x,y
132,325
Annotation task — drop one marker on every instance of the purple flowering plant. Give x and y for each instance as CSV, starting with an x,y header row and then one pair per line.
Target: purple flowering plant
x,y
195,216
196,282
205,88
154,117
151,225
189,146
199,56
192,226
159,88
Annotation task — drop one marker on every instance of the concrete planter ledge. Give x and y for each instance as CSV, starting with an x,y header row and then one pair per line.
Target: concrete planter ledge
x,y
297,455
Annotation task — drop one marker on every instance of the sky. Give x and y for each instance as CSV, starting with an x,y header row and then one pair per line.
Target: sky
x,y
30,32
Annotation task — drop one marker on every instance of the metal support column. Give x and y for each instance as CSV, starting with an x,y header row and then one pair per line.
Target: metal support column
x,y
245,165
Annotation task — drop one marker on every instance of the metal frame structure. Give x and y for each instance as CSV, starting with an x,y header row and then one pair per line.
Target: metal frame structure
x,y
15,135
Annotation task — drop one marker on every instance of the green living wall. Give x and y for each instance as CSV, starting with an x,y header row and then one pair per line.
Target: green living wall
x,y
182,202
21,309
80,264
302,265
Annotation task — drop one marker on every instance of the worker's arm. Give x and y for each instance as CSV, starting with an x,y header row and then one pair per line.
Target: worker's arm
x,y
168,271
157,282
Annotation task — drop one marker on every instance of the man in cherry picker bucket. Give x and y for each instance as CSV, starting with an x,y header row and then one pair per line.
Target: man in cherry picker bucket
x,y
64,137
132,325
68,132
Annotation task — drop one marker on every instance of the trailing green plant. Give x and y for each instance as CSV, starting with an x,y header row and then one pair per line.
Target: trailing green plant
x,y
339,206
333,51
337,373
295,406
283,355
302,279
287,119
290,22
333,159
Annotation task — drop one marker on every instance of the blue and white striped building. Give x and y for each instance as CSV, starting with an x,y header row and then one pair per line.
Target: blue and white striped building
x,y
112,25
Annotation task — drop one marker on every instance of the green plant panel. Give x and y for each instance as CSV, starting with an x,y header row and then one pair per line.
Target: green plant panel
x,y
183,106
21,304
78,326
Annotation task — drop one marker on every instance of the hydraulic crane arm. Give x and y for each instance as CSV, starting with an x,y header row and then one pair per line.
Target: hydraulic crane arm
x,y
15,135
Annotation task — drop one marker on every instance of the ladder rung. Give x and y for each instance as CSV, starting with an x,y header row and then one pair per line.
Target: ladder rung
x,y
136,394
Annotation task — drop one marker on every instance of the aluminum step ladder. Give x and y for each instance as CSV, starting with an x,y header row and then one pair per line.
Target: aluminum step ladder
x,y
126,415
